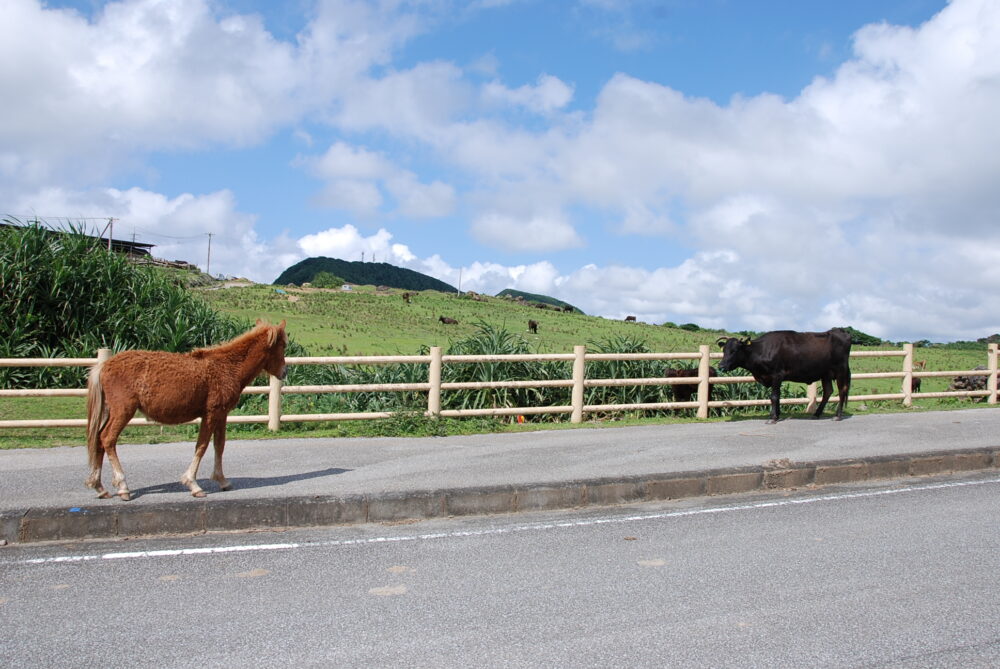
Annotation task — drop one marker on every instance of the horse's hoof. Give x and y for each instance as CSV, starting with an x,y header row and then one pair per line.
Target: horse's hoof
x,y
126,496
104,494
228,486
198,493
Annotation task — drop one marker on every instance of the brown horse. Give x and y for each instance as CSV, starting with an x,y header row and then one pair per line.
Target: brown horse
x,y
175,388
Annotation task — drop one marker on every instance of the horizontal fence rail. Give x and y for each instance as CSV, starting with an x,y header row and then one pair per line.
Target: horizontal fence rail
x,y
577,409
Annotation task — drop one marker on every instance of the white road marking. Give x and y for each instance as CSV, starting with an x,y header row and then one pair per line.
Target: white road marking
x,y
529,527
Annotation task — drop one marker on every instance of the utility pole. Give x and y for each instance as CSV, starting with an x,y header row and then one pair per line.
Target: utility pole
x,y
208,263
110,229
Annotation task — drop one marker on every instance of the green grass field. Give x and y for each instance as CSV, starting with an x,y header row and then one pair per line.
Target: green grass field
x,y
367,322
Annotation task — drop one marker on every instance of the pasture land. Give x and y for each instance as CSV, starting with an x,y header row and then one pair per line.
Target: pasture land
x,y
364,321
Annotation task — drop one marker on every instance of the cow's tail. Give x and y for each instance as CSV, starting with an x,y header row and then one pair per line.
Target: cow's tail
x,y
97,414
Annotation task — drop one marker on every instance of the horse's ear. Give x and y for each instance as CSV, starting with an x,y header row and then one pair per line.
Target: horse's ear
x,y
259,321
275,332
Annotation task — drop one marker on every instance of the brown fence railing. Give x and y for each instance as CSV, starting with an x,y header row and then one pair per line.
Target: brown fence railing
x,y
578,382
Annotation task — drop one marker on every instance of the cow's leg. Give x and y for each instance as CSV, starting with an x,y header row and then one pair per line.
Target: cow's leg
x,y
843,386
775,402
219,442
827,390
190,476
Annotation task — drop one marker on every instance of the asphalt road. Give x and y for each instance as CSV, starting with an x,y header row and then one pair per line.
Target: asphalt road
x,y
902,574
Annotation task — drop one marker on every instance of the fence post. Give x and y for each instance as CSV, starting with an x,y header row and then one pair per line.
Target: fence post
x,y
274,404
704,387
579,374
991,380
103,354
908,375
811,396
434,378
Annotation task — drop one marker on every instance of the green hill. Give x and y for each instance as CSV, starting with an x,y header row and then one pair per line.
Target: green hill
x,y
362,274
537,299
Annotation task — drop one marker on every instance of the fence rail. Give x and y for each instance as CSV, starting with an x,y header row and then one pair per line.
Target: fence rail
x,y
434,386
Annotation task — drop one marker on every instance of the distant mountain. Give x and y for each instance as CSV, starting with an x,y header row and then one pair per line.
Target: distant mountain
x,y
361,273
531,297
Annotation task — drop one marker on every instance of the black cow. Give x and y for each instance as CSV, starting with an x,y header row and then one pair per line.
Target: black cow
x,y
683,392
448,321
803,357
533,327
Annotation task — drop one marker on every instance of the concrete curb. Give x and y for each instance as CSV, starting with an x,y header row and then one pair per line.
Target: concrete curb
x,y
117,520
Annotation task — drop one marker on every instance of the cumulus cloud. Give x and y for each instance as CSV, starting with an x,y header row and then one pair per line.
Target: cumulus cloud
x,y
355,178
549,94
535,233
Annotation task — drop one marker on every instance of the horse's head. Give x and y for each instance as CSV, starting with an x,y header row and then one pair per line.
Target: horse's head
x,y
277,340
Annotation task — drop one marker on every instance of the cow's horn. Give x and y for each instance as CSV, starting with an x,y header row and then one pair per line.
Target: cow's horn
x,y
722,341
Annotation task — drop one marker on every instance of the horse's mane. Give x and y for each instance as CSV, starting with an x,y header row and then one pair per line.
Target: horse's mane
x,y
237,342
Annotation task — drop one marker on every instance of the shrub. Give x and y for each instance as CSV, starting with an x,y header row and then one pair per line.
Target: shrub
x,y
327,280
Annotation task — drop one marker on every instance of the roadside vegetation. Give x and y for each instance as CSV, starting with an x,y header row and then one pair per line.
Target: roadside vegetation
x,y
69,296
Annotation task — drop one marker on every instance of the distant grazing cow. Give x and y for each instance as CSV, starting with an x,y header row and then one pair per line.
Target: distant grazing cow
x,y
803,357
407,296
630,319
918,366
448,321
533,327
568,309
685,392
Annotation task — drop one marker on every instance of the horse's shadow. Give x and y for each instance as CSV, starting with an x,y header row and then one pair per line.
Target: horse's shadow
x,y
239,483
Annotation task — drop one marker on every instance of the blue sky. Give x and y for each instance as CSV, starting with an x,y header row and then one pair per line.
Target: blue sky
x,y
738,164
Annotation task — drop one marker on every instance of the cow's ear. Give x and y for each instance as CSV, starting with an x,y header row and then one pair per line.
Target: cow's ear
x,y
722,342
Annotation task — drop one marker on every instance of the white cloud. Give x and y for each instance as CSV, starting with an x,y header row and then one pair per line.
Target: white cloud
x,y
536,233
353,177
362,198
417,200
347,243
548,95
342,161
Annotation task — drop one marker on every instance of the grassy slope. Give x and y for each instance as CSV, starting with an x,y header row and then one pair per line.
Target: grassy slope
x,y
331,322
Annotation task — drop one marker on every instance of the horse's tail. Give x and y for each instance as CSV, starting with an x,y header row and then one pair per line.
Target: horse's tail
x,y
97,413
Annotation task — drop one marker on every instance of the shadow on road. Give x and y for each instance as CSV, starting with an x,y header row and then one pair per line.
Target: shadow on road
x,y
239,482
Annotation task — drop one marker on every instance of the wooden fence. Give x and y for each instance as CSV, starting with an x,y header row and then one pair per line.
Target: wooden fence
x,y
434,386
